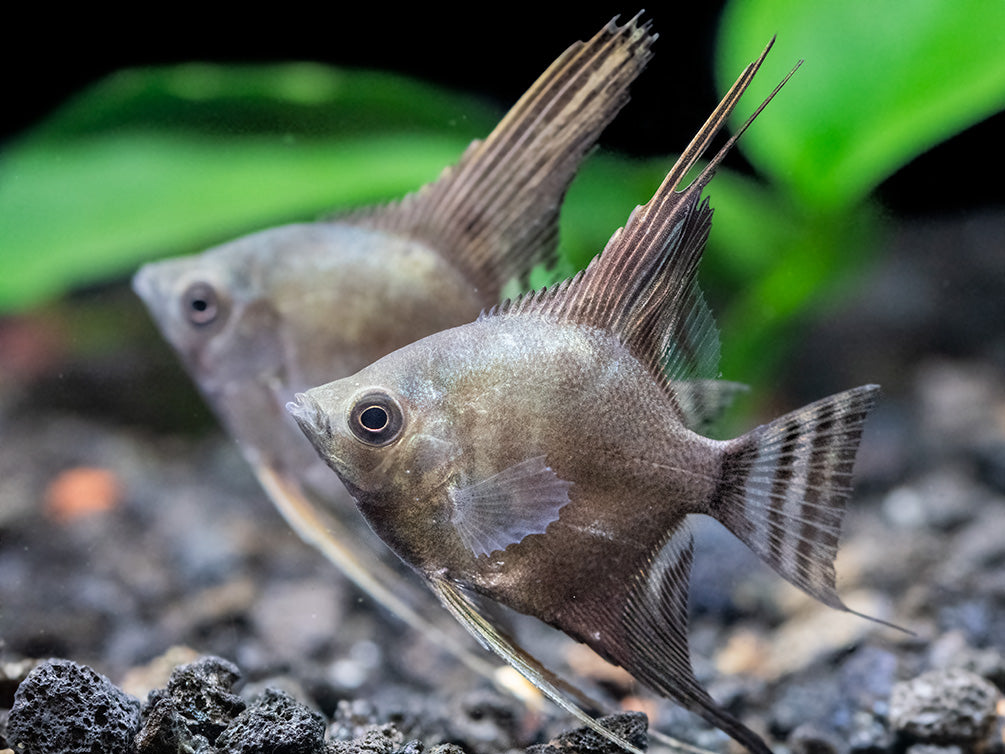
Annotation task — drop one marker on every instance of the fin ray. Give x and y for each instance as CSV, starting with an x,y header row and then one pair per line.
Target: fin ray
x,y
654,621
495,213
569,698
785,485
642,287
501,510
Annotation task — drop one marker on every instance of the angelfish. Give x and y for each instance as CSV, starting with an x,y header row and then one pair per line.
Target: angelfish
x,y
264,316
540,455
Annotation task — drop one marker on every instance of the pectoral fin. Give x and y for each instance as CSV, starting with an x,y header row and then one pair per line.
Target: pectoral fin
x,y
501,510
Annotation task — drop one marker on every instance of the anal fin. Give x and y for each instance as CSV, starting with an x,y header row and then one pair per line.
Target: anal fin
x,y
654,645
566,696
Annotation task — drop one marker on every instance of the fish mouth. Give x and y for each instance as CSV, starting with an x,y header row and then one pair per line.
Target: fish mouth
x,y
310,417
143,284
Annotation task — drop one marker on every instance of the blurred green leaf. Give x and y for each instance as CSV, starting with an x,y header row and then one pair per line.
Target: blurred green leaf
x,y
166,161
881,83
171,160
97,208
306,100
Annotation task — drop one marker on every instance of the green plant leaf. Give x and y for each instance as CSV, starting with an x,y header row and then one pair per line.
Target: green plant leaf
x,y
881,83
97,209
165,161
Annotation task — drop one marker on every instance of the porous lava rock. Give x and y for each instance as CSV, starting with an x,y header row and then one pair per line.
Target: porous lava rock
x,y
276,723
631,726
65,708
944,707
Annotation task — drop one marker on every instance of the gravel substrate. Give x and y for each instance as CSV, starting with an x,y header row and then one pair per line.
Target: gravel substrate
x,y
152,601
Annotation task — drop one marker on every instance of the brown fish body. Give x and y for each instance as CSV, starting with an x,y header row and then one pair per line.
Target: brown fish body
x,y
541,455
270,331
522,389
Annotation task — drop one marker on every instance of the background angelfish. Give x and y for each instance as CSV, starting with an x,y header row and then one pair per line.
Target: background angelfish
x,y
272,313
540,456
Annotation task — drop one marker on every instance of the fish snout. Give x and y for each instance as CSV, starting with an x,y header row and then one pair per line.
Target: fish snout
x,y
309,415
145,286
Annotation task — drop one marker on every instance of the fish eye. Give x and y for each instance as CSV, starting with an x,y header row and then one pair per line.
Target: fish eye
x,y
200,304
376,419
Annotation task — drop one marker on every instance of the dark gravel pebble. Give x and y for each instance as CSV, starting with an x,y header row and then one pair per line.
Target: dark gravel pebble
x,y
484,717
631,726
809,739
944,707
202,694
868,734
381,739
165,731
810,700
65,708
277,723
868,677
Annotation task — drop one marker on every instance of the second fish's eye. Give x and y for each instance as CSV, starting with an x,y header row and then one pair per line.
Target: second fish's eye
x,y
376,419
200,304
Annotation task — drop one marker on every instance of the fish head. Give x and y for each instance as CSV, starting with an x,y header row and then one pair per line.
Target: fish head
x,y
300,304
272,313
386,435
222,313
215,311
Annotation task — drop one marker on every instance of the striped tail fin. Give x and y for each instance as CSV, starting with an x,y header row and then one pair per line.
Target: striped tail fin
x,y
785,484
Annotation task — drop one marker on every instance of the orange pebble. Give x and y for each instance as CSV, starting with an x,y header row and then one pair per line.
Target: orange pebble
x,y
81,492
650,707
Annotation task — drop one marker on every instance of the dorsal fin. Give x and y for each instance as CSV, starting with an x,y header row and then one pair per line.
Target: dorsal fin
x,y
643,287
495,213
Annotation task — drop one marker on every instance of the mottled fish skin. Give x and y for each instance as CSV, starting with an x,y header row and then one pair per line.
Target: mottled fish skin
x,y
580,393
269,314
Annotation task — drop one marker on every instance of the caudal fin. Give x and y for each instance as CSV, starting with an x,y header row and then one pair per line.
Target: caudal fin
x,y
785,484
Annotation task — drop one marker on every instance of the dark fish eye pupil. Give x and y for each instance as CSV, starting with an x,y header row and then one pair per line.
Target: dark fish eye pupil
x,y
374,418
200,304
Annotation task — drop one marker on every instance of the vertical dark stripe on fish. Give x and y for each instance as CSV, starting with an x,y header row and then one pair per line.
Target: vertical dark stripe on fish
x,y
780,489
811,536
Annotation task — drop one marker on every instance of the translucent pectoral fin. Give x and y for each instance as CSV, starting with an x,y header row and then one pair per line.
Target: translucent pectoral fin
x,y
501,510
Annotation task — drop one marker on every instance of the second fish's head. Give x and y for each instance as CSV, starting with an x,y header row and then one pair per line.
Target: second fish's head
x,y
262,317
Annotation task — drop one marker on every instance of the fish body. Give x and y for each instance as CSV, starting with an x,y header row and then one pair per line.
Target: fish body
x,y
273,313
255,320
494,396
542,456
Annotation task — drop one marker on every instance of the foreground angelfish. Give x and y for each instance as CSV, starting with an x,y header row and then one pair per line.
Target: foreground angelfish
x,y
264,316
540,456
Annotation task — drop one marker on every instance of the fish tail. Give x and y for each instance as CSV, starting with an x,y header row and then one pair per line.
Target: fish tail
x,y
784,487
